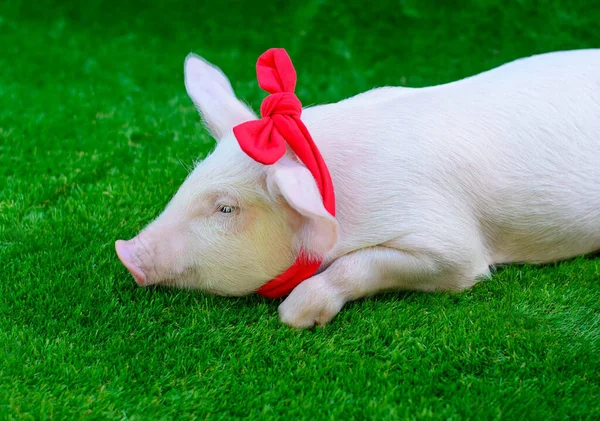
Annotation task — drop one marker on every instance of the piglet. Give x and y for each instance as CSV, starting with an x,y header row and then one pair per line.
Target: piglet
x,y
432,187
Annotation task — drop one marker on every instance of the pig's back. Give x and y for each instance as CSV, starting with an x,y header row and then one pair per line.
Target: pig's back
x,y
538,191
515,150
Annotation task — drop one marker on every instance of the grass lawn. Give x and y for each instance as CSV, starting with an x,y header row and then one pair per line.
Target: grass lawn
x,y
97,133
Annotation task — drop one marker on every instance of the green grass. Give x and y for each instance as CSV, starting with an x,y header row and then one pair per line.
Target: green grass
x,y
97,133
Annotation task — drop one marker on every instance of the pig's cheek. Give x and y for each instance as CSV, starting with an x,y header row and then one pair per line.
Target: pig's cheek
x,y
237,223
246,219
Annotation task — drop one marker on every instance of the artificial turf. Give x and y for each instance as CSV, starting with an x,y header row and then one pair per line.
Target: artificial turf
x,y
97,133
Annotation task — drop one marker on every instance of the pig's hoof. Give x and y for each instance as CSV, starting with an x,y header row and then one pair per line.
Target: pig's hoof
x,y
308,305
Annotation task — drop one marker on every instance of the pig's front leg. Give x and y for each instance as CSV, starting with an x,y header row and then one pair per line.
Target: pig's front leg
x,y
358,274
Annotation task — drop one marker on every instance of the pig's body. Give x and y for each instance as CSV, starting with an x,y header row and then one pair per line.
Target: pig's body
x,y
499,167
434,185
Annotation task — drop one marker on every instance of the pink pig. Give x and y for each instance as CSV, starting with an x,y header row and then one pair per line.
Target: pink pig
x,y
433,186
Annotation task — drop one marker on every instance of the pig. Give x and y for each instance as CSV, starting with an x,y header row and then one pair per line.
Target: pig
x,y
434,186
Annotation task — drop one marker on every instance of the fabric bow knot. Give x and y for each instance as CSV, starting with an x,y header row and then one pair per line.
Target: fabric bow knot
x,y
266,141
282,103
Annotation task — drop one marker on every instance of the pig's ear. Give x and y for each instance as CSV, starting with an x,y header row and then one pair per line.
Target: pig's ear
x,y
317,228
212,94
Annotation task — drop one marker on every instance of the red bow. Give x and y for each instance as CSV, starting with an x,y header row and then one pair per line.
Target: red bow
x,y
266,141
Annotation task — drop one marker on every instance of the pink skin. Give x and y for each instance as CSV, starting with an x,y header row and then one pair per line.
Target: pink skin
x,y
125,250
517,182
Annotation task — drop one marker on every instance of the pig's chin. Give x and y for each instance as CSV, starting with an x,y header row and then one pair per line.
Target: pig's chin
x,y
194,284
191,280
187,280
173,283
225,287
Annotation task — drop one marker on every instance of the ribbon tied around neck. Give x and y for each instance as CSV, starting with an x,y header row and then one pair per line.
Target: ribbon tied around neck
x,y
266,141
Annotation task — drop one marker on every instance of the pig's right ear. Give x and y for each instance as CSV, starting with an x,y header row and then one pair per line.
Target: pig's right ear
x,y
317,229
213,96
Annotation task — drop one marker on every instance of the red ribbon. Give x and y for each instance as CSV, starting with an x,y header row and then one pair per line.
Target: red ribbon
x,y
266,141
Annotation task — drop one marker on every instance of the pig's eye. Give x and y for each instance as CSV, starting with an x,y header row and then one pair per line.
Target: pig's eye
x,y
226,209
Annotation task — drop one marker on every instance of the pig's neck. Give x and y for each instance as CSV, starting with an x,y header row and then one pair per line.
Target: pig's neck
x,y
345,135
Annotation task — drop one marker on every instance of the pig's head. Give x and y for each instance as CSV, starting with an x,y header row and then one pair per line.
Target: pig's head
x,y
234,224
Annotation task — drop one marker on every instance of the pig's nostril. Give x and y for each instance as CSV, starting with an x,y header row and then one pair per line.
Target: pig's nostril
x,y
124,252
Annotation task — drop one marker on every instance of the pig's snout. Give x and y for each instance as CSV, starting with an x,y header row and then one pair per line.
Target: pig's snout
x,y
125,251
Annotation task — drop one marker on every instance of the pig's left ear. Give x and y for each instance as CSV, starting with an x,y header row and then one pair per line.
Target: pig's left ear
x,y
212,94
317,228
